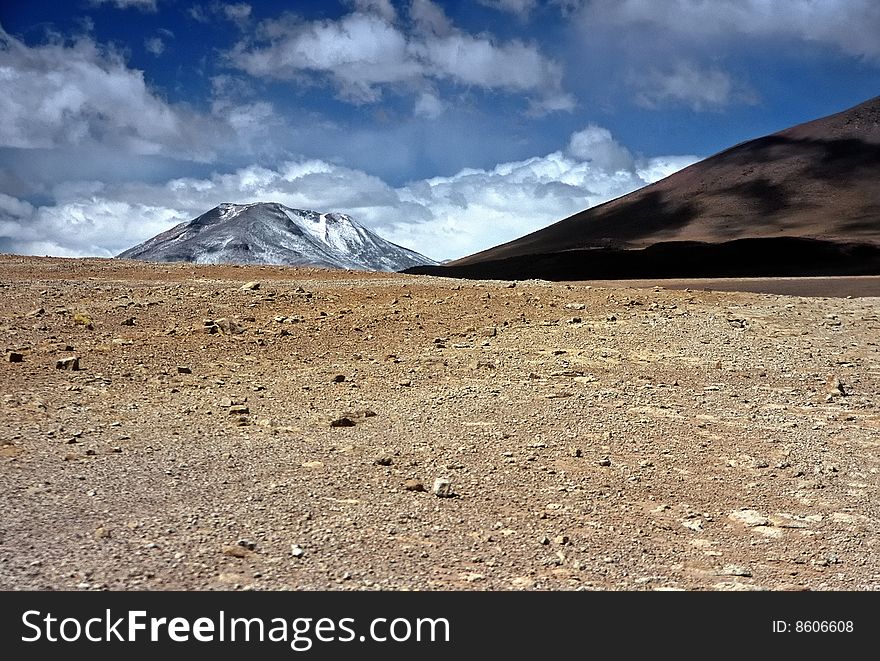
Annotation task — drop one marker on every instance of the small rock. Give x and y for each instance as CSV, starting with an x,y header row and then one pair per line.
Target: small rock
x,y
339,378
342,422
14,357
182,369
236,551
414,485
248,544
561,540
605,462
383,460
71,363
239,409
693,524
312,464
834,386
575,320
297,551
611,317
228,326
39,312
734,570
544,541
128,321
102,533
442,488
251,286
749,518
575,306
490,331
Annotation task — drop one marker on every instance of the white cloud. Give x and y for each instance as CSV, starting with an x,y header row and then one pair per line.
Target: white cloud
x,y
57,95
237,11
155,45
521,8
382,8
852,26
442,217
143,5
429,106
690,85
596,145
363,52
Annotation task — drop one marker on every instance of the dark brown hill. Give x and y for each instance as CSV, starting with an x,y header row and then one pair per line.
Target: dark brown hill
x,y
819,181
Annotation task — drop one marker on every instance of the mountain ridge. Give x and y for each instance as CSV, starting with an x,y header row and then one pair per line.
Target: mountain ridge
x,y
271,233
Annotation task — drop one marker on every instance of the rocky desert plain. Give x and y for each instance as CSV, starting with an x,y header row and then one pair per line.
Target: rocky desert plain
x,y
218,427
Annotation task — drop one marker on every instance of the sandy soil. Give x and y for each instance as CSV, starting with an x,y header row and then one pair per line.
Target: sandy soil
x,y
279,438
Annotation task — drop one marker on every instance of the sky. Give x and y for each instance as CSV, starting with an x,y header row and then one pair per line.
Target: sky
x,y
446,127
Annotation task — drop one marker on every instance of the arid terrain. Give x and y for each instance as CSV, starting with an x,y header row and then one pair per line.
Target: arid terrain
x,y
289,436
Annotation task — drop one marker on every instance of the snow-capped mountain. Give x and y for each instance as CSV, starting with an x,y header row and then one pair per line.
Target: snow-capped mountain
x,y
270,233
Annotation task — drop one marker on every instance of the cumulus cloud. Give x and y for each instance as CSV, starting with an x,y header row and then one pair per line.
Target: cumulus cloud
x,y
58,95
382,8
443,217
689,85
365,51
850,25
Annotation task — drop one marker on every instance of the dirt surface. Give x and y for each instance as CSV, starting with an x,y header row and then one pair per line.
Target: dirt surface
x,y
836,287
216,437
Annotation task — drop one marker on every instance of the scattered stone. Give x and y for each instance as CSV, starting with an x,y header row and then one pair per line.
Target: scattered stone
x,y
749,518
693,524
251,286
734,570
39,312
339,378
575,320
575,306
342,422
611,317
312,464
414,484
605,462
248,544
297,551
182,369
228,326
383,460
236,551
738,323
128,321
490,331
760,463
102,533
442,488
14,357
71,363
834,386
561,540
239,409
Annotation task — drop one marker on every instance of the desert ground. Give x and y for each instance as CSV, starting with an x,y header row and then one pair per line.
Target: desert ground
x,y
293,435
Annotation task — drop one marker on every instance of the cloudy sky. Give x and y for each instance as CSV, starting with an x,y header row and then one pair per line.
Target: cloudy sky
x,y
447,127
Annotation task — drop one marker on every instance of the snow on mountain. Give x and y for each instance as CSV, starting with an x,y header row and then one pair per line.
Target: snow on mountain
x,y
270,233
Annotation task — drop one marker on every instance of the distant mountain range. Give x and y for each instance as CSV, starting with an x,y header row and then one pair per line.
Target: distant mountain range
x,y
271,233
804,201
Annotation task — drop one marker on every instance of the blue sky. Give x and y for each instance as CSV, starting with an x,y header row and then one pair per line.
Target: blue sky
x,y
447,127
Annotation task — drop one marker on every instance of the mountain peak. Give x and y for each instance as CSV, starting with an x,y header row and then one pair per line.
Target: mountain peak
x,y
271,233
